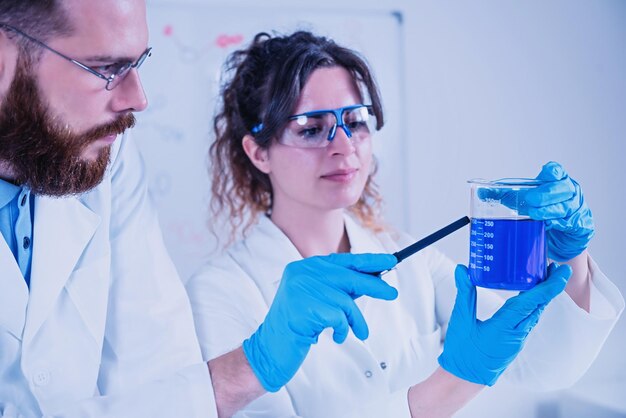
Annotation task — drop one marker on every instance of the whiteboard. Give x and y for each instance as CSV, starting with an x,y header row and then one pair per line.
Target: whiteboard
x,y
190,43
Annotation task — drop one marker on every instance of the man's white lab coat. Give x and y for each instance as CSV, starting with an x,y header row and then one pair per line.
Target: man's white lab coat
x,y
106,329
231,295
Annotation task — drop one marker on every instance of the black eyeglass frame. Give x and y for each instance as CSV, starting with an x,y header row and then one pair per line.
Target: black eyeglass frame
x,y
112,80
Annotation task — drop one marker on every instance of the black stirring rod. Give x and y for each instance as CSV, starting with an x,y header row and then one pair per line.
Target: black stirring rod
x,y
426,241
435,236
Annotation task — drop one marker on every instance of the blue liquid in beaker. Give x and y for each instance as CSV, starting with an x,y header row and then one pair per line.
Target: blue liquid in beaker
x,y
507,253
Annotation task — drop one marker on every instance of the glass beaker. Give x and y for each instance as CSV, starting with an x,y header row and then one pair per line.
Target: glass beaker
x,y
507,247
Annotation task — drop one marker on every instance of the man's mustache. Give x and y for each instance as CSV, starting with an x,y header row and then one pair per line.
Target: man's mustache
x,y
116,127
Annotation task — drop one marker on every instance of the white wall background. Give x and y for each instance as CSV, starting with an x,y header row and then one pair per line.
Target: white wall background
x,y
488,88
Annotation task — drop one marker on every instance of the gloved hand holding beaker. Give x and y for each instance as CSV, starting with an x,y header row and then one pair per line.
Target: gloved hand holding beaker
x,y
314,294
479,351
560,202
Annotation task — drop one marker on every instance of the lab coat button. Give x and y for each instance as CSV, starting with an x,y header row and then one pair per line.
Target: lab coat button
x,y
26,243
368,374
41,378
383,365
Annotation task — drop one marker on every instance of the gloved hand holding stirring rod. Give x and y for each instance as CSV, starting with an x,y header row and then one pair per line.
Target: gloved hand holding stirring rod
x,y
314,294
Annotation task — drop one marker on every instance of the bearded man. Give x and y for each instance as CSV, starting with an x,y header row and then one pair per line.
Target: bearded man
x,y
94,320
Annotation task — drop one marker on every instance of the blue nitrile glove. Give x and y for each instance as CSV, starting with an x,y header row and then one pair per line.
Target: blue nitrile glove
x,y
479,351
560,202
314,294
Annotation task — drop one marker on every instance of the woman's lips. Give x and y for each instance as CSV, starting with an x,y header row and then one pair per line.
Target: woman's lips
x,y
341,176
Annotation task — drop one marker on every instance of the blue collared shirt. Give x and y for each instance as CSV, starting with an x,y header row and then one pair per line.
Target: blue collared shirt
x,y
16,224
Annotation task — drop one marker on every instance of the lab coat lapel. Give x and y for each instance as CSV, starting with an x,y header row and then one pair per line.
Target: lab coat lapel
x,y
360,239
13,292
62,230
268,246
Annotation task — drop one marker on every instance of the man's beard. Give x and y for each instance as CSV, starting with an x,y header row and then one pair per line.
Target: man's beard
x,y
43,154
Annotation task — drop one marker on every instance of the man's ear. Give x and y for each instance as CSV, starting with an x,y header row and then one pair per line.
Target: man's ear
x,y
259,156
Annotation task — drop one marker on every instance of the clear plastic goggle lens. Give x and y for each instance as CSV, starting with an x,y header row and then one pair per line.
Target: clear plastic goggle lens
x,y
318,128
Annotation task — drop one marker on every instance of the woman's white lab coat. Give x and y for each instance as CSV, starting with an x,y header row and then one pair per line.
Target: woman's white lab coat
x,y
106,329
230,297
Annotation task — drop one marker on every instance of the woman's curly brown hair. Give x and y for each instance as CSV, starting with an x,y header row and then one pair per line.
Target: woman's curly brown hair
x,y
262,83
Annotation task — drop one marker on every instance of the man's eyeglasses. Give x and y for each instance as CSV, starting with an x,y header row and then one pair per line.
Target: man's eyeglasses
x,y
317,129
113,74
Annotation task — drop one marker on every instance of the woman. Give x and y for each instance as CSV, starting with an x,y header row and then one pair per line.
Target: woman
x,y
293,169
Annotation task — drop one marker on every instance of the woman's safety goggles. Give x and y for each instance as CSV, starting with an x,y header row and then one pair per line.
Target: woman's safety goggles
x,y
317,128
